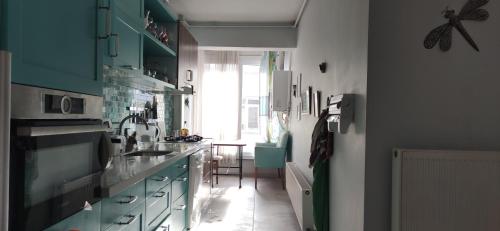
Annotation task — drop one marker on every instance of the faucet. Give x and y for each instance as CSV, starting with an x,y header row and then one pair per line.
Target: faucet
x,y
145,122
131,140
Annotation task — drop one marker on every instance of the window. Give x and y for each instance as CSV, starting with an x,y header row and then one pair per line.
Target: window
x,y
253,127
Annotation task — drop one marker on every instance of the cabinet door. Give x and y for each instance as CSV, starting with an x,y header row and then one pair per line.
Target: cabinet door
x,y
134,9
54,44
183,56
84,220
131,221
121,34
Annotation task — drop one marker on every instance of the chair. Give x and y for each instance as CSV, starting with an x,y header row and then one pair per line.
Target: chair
x,y
271,155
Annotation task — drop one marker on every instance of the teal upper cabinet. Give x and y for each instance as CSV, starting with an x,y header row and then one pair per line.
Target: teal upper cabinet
x,y
54,44
121,27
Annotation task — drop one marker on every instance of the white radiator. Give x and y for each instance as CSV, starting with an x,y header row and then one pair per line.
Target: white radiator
x,y
446,190
300,193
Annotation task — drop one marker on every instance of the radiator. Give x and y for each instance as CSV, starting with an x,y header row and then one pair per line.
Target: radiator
x,y
300,193
446,190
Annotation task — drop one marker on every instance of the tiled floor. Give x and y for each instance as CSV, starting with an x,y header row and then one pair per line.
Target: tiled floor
x,y
233,209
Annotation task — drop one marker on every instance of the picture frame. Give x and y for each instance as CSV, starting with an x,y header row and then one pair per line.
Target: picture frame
x,y
317,103
306,101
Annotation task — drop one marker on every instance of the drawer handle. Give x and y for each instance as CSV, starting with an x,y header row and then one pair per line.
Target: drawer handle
x,y
182,179
129,67
131,219
108,22
183,166
181,207
117,44
131,201
162,179
160,194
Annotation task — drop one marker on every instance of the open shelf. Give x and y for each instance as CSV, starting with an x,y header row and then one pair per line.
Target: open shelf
x,y
160,11
153,47
140,82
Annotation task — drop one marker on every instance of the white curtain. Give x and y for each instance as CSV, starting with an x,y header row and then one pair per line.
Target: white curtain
x,y
220,98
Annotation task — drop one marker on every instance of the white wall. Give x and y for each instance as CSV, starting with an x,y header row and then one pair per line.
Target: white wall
x,y
241,37
420,98
335,31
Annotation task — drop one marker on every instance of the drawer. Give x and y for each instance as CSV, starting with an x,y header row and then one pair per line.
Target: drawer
x,y
83,220
130,221
157,181
159,222
179,214
158,204
166,225
117,206
180,186
178,168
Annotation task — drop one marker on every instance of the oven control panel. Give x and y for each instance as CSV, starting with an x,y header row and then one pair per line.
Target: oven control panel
x,y
63,104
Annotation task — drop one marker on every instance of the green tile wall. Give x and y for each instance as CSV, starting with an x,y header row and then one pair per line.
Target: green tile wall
x,y
118,96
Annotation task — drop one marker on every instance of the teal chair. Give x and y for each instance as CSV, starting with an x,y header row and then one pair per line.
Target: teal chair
x,y
271,155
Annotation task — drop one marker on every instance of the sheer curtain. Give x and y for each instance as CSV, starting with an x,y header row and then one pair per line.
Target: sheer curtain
x,y
220,98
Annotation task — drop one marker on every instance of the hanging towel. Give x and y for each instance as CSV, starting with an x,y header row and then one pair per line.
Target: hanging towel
x,y
321,151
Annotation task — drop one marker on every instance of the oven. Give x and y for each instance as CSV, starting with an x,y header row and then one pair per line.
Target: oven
x,y
59,150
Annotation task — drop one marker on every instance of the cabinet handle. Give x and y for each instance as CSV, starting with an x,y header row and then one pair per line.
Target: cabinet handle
x,y
181,207
130,67
108,22
160,194
131,201
165,228
131,219
117,44
182,179
182,166
162,179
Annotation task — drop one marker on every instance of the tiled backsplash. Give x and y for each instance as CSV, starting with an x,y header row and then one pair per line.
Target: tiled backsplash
x,y
119,96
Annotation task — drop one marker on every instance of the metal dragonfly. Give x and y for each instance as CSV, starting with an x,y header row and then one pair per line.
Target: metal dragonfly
x,y
442,34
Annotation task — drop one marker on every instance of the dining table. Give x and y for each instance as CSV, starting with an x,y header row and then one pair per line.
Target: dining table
x,y
231,143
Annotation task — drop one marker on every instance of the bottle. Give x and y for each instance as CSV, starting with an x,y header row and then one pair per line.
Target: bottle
x,y
184,130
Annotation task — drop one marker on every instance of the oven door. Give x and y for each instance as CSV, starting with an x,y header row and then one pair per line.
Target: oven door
x,y
56,168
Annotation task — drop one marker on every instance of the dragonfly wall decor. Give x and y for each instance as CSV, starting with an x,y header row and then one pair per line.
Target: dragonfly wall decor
x,y
442,34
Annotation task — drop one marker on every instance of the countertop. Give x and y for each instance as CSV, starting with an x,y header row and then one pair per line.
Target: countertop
x,y
126,171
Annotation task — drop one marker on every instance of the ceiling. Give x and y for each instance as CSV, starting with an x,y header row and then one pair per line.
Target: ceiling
x,y
250,12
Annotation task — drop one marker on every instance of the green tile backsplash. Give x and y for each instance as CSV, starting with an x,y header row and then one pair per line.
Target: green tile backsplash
x,y
118,96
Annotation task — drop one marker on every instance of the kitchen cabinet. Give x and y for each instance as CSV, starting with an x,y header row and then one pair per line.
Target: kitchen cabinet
x,y
187,60
121,28
84,220
157,203
116,207
133,220
54,44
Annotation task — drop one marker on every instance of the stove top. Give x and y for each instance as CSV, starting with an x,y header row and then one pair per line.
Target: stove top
x,y
186,139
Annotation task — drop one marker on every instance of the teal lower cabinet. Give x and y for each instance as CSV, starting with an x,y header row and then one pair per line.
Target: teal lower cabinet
x,y
115,208
157,203
158,207
134,220
84,220
179,214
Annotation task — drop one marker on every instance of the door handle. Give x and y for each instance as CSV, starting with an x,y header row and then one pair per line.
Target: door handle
x,y
181,207
107,29
131,201
130,67
117,44
182,179
160,194
162,179
131,219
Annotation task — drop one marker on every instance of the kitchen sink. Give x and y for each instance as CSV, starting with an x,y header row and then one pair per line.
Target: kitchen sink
x,y
150,153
